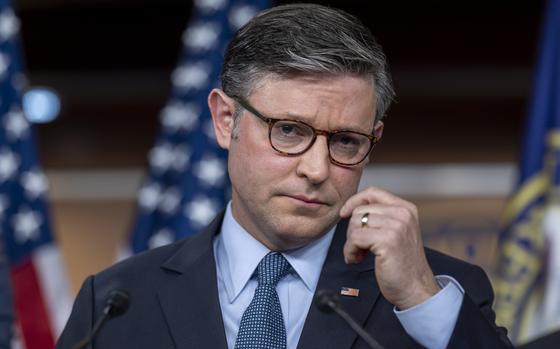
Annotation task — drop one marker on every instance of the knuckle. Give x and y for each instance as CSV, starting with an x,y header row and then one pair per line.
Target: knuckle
x,y
353,238
403,212
412,208
408,214
360,239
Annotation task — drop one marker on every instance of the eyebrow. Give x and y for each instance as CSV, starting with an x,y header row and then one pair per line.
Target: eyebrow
x,y
296,117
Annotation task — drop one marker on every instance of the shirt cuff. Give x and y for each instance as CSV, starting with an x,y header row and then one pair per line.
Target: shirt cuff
x,y
431,323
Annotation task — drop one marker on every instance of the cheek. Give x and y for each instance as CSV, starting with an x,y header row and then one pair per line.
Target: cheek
x,y
346,181
253,163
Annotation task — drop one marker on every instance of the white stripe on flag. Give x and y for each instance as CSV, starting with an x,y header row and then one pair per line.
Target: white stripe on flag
x,y
54,285
17,338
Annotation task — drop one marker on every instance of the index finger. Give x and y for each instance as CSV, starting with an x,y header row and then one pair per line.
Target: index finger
x,y
371,195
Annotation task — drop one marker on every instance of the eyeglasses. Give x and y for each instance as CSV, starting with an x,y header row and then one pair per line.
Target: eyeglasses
x,y
292,137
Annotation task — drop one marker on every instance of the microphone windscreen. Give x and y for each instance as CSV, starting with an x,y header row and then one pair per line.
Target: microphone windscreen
x,y
326,301
117,302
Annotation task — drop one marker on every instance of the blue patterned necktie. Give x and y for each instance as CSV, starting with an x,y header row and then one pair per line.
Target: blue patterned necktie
x,y
262,323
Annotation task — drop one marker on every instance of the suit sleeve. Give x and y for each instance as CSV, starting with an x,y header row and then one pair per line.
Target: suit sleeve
x,y
81,320
476,326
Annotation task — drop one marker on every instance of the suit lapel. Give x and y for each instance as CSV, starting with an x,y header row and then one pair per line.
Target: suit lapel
x,y
191,305
190,300
328,330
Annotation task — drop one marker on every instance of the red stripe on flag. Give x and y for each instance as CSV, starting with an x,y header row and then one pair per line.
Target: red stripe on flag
x,y
30,308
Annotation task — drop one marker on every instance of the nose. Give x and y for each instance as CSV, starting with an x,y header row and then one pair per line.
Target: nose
x,y
314,164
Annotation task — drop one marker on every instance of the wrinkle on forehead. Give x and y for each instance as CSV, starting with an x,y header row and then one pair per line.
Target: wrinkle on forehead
x,y
332,103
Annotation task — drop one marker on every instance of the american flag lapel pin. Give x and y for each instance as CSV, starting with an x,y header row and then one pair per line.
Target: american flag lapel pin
x,y
350,292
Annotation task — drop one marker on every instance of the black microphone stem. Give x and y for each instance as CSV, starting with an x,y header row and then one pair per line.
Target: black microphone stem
x,y
116,304
365,336
106,314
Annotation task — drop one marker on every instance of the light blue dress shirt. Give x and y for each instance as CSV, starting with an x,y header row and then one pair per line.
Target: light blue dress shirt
x,y
237,255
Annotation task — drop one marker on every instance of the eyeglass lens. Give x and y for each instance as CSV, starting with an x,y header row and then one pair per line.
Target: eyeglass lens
x,y
293,137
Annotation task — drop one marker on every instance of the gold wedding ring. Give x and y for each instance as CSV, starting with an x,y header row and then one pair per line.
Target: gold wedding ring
x,y
365,218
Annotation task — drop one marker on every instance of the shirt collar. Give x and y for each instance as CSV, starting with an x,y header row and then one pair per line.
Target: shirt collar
x,y
239,254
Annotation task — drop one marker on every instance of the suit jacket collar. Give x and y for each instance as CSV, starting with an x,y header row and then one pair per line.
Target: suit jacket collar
x,y
191,303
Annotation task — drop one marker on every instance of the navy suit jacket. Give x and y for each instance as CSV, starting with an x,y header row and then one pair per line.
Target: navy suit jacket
x,y
174,302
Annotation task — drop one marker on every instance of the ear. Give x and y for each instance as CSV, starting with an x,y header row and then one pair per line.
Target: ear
x,y
378,129
222,109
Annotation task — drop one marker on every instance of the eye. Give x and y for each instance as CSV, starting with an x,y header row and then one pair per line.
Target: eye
x,y
346,144
348,140
288,129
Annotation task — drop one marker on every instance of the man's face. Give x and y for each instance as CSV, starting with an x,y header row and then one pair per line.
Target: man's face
x,y
288,201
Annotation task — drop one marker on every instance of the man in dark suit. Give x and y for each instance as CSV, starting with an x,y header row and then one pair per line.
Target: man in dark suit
x,y
304,90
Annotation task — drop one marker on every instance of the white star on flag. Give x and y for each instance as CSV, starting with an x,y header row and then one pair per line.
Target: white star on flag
x,y
182,155
15,123
149,195
26,224
4,63
9,163
179,115
210,5
9,24
191,76
170,200
35,183
161,238
203,36
240,15
210,170
164,157
201,210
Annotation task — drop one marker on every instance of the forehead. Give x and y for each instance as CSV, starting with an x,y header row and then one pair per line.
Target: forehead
x,y
332,101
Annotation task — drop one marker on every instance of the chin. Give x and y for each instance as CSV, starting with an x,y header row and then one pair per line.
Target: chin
x,y
299,231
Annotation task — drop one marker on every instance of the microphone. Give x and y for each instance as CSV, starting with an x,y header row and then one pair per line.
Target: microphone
x,y
329,302
116,304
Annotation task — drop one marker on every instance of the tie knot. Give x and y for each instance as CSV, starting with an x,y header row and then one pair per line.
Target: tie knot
x,y
272,268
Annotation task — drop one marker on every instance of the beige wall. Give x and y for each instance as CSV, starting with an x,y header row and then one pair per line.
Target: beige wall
x,y
90,234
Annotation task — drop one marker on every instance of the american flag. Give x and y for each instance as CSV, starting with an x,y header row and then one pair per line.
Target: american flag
x,y
351,292
41,297
187,184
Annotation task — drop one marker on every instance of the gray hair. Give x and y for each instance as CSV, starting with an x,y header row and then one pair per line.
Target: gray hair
x,y
304,39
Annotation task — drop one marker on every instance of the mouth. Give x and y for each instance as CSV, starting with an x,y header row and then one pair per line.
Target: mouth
x,y
307,200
